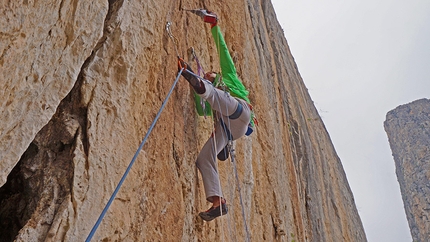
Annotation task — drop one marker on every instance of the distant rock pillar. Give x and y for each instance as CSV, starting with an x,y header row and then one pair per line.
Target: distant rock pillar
x,y
408,130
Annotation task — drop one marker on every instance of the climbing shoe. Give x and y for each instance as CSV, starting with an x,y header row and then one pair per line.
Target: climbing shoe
x,y
197,85
214,212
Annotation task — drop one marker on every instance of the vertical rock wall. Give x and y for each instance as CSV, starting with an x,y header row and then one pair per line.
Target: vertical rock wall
x,y
408,130
86,93
43,46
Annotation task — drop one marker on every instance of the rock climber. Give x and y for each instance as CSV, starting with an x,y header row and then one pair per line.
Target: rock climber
x,y
232,117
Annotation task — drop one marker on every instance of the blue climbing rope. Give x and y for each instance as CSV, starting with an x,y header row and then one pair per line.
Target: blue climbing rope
x,y
233,160
132,161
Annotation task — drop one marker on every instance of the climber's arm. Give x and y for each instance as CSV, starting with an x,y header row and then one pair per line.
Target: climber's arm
x,y
226,62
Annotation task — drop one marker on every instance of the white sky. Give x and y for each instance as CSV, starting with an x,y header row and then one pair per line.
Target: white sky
x,y
359,60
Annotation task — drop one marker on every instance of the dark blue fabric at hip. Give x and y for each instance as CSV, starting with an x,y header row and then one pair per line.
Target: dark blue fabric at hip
x,y
226,130
237,113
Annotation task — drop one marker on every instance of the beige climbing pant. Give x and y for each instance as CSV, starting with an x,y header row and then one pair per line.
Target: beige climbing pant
x,y
224,105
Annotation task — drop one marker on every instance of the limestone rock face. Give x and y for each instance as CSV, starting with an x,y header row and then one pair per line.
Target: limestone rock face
x,y
82,83
408,130
42,48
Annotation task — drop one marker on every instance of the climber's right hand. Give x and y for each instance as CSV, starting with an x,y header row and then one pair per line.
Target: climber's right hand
x,y
210,17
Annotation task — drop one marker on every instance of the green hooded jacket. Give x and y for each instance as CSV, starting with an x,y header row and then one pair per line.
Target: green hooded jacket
x,y
228,74
228,70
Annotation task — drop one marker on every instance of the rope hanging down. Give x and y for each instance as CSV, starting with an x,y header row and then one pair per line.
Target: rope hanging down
x,y
233,161
133,160
233,157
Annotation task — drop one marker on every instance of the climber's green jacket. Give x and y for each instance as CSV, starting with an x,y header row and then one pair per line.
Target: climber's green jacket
x,y
228,70
228,73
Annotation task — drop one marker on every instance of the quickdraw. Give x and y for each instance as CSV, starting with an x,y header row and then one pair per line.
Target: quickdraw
x,y
174,39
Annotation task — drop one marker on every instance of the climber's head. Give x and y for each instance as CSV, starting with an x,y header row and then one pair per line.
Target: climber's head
x,y
210,76
213,77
